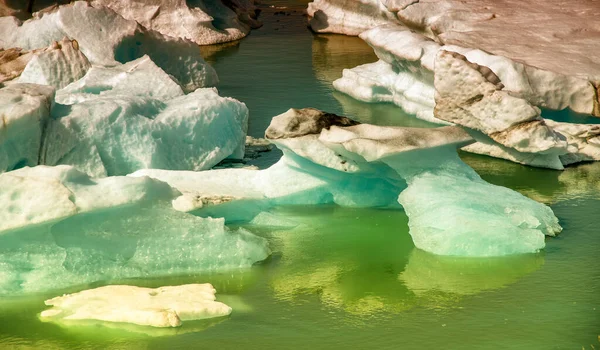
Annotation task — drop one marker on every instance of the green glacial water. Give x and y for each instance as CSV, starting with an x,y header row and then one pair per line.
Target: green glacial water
x,y
343,278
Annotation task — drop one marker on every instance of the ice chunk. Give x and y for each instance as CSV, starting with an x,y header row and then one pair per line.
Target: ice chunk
x,y
114,133
140,77
158,307
204,22
31,196
24,113
106,38
58,65
138,241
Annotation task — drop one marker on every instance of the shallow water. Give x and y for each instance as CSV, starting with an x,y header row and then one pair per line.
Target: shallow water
x,y
351,278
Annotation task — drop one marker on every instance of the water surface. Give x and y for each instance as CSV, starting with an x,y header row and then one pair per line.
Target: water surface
x,y
351,278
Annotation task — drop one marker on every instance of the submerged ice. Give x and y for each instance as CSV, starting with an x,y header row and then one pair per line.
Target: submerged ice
x,y
121,243
60,228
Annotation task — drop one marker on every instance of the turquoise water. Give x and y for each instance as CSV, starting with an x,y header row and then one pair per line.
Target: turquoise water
x,y
351,278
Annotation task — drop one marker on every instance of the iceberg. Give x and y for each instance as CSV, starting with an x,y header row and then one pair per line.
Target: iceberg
x,y
410,42
24,114
116,120
155,307
203,22
331,159
60,228
106,39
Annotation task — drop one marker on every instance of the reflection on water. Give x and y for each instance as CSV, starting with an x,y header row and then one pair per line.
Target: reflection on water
x,y
364,262
543,185
378,113
428,273
92,330
332,53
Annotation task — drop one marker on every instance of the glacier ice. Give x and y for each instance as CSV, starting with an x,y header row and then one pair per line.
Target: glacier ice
x,y
119,119
203,22
157,307
106,39
60,228
408,41
24,113
140,77
366,166
115,120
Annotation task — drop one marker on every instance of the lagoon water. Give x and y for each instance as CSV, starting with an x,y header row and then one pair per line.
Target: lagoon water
x,y
351,278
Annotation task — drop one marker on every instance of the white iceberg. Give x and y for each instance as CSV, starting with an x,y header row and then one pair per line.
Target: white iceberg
x,y
24,114
155,307
134,116
350,17
107,39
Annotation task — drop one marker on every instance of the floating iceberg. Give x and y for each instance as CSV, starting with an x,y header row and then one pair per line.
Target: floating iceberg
x,y
158,307
107,39
331,159
60,228
203,22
